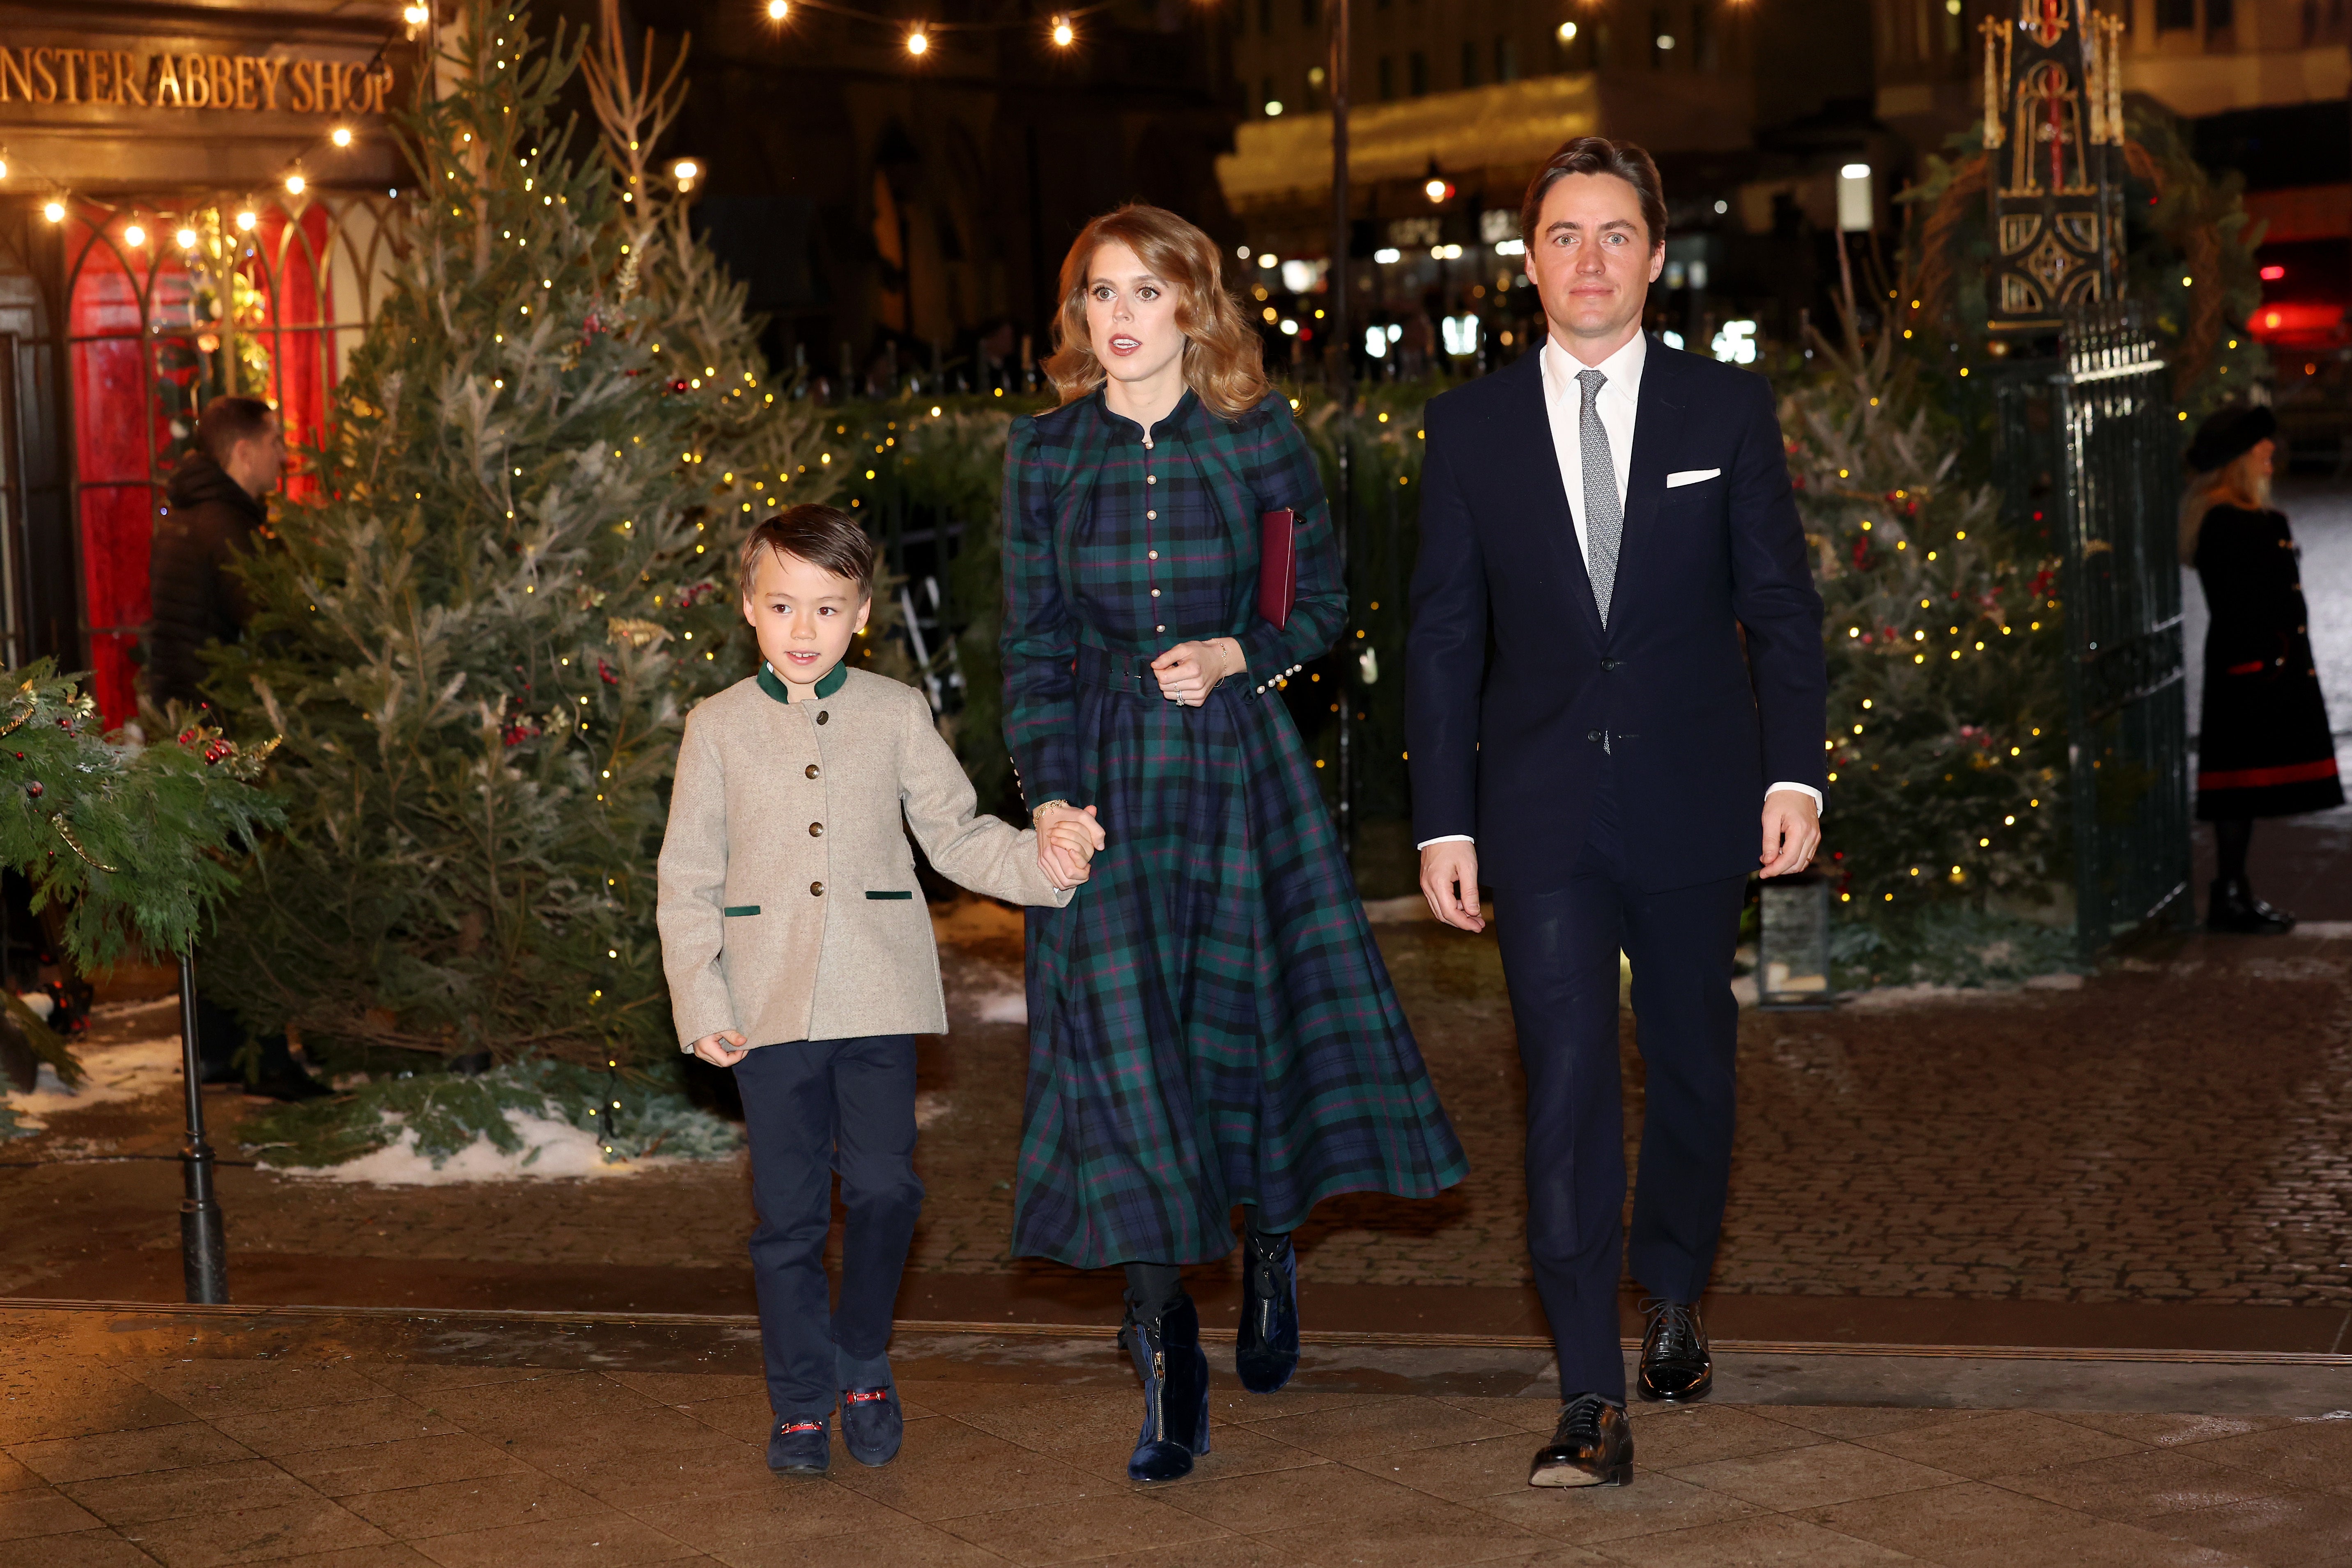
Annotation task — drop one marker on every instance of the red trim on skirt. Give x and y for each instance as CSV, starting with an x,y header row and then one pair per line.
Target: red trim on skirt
x,y
2259,778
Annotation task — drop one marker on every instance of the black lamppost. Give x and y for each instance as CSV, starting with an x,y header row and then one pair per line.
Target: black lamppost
x,y
203,1251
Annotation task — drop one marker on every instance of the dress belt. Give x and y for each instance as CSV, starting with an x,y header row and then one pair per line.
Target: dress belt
x,y
1127,672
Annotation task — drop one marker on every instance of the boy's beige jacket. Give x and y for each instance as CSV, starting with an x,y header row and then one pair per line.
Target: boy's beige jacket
x,y
788,905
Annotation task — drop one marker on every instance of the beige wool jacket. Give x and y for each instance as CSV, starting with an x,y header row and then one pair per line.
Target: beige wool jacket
x,y
788,907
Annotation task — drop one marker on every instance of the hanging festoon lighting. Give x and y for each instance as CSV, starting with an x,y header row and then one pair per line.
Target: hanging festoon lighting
x,y
296,183
685,171
54,210
1064,34
246,218
187,239
134,236
918,41
778,10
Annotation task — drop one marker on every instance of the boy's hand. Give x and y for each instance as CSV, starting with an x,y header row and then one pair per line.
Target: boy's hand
x,y
723,1049
1077,845
1061,867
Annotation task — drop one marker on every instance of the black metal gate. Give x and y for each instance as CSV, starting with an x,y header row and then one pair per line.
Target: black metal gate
x,y
2094,448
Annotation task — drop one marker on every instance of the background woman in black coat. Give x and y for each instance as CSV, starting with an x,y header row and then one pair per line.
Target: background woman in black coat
x,y
2265,747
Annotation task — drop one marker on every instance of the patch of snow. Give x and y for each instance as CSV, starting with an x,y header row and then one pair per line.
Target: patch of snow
x,y
1006,1006
2055,983
549,1148
2324,931
930,1107
132,1070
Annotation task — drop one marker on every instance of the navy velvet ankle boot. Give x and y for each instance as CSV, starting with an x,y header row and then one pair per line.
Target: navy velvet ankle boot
x,y
1175,1372
1265,1351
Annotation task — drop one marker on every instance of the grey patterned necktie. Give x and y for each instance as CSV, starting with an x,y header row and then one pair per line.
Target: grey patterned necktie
x,y
1605,514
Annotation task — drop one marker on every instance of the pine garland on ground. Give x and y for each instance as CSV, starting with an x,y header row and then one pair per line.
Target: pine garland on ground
x,y
479,642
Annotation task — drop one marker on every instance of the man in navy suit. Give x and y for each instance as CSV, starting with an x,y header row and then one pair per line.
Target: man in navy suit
x,y
1615,662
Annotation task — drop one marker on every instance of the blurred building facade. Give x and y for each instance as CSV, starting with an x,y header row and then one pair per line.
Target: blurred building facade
x,y
1749,108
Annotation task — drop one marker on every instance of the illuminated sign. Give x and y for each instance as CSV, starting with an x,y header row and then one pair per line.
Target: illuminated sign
x,y
156,79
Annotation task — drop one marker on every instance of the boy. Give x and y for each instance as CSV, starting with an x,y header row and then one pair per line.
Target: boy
x,y
800,954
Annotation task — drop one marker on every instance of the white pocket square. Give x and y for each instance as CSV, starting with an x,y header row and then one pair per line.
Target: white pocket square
x,y
1691,477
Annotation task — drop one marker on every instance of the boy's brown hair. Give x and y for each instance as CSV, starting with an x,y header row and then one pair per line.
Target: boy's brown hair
x,y
823,536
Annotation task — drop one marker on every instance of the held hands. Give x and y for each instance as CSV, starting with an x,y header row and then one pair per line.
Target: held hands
x,y
1190,671
1449,880
723,1049
1792,831
1068,838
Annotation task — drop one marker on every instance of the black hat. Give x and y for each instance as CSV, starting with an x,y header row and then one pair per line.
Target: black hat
x,y
2229,434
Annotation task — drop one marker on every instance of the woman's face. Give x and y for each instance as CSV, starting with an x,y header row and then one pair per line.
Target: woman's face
x,y
2258,461
1130,315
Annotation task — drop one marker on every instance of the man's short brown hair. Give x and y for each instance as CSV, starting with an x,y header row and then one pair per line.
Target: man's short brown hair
x,y
825,536
1598,156
227,421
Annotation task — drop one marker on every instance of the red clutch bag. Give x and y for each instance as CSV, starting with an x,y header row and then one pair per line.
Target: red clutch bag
x,y
1277,565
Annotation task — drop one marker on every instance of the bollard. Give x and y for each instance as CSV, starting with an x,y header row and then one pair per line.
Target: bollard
x,y
204,1252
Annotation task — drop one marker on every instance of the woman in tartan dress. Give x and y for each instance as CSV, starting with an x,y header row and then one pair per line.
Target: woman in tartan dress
x,y
1210,1023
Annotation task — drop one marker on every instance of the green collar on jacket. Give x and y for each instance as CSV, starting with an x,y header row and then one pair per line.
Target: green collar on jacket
x,y
826,684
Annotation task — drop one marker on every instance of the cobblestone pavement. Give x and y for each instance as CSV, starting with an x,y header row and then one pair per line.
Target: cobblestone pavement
x,y
192,1442
2177,1129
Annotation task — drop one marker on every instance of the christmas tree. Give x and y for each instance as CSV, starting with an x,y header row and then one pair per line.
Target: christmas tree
x,y
1948,707
481,637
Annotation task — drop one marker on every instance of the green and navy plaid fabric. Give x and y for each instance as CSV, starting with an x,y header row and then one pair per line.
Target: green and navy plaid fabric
x,y
1209,1021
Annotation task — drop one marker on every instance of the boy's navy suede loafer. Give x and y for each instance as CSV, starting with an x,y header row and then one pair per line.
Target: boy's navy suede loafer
x,y
872,1425
799,1447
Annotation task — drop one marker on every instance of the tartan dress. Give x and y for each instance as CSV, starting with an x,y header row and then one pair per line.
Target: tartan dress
x,y
1209,1021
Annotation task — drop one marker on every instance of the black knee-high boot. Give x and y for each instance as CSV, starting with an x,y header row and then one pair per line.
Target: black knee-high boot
x,y
1265,1350
1163,1334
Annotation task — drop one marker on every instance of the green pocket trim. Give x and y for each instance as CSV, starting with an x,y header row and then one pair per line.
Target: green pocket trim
x,y
889,894
740,910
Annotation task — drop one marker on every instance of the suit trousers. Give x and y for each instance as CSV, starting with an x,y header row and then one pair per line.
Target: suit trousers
x,y
1559,959
812,1109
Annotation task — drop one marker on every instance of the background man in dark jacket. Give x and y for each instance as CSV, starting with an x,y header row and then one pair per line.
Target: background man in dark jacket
x,y
215,510
216,514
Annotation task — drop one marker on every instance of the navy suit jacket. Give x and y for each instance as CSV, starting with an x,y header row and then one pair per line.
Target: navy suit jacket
x,y
1511,679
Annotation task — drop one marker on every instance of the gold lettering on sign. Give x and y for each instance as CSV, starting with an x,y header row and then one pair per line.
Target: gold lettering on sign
x,y
43,73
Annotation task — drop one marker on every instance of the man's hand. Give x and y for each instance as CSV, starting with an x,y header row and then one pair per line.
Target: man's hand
x,y
1064,866
714,1049
1449,880
1792,831
1190,671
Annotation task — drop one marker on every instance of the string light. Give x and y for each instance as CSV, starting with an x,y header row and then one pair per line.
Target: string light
x,y
779,9
134,237
340,136
685,171
55,212
1064,34
294,183
187,238
917,41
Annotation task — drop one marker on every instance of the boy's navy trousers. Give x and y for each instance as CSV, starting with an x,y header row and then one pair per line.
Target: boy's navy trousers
x,y
815,1107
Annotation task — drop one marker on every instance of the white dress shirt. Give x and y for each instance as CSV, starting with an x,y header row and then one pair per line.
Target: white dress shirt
x,y
1616,403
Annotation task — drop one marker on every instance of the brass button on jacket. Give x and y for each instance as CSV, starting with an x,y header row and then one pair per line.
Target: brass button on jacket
x,y
816,830
816,890
811,770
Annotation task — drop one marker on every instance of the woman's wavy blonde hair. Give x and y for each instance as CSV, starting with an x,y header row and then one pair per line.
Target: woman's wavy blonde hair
x,y
1225,361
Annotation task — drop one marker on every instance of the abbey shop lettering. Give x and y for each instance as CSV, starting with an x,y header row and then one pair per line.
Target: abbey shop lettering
x,y
43,74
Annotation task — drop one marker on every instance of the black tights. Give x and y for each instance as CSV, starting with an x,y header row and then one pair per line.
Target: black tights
x,y
1152,1288
2231,837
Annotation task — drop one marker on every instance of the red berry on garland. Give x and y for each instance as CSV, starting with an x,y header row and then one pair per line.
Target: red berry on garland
x,y
34,789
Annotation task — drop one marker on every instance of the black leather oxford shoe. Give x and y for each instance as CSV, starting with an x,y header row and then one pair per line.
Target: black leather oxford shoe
x,y
1592,1446
1675,1366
